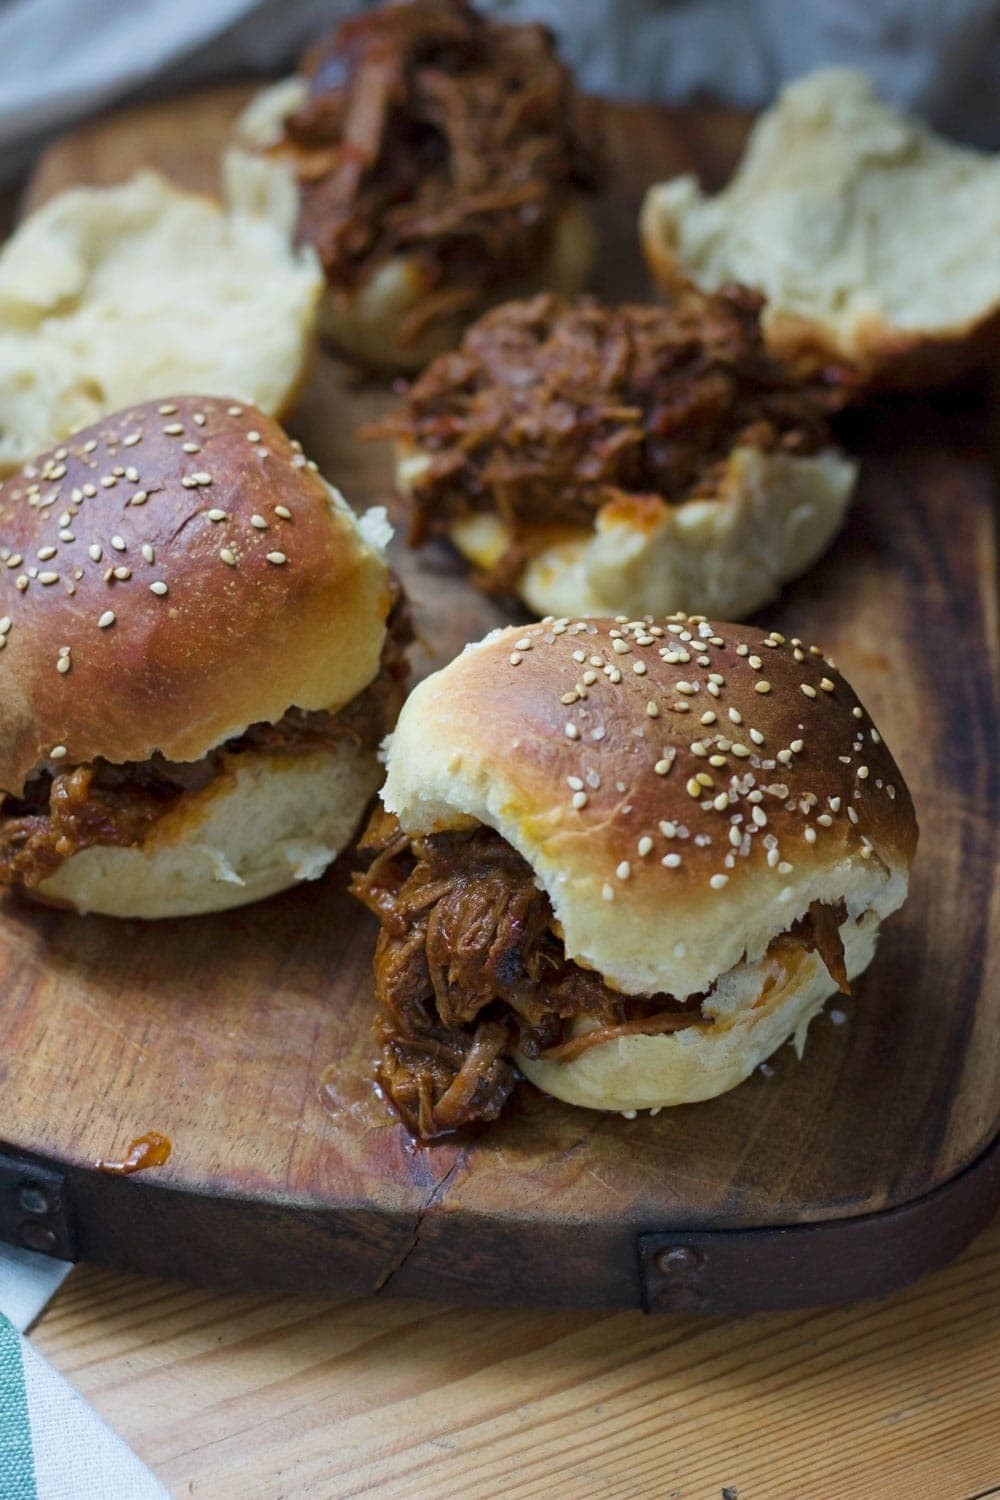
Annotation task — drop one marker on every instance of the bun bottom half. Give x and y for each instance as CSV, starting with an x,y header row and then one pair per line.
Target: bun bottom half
x,y
759,1006
772,516
269,823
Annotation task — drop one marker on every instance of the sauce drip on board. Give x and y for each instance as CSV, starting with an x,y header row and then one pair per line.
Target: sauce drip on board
x,y
150,1150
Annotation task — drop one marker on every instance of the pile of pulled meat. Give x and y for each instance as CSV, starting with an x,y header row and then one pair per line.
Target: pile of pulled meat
x,y
552,408
468,969
57,815
431,131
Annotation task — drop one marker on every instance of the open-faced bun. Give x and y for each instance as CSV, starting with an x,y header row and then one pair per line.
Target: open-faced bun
x,y
598,459
442,161
872,239
686,794
110,296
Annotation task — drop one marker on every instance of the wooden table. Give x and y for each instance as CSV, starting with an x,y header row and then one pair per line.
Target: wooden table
x,y
273,1398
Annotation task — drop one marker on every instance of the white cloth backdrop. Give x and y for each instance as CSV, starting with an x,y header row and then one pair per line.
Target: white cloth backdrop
x,y
61,59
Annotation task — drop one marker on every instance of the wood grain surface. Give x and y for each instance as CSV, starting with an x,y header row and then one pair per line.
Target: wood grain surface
x,y
245,1038
266,1398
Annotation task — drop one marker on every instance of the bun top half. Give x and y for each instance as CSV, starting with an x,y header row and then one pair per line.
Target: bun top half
x,y
683,789
170,575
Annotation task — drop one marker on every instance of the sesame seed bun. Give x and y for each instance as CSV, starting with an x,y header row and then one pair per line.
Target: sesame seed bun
x,y
682,790
269,822
196,574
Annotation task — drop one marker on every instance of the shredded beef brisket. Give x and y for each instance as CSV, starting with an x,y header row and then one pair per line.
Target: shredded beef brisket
x,y
58,814
468,969
432,131
551,408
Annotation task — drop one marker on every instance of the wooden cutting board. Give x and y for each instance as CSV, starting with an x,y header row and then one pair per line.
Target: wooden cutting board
x,y
245,1037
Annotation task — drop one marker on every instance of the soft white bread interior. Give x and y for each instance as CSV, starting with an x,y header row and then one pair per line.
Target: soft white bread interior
x,y
771,517
873,240
110,296
267,823
365,322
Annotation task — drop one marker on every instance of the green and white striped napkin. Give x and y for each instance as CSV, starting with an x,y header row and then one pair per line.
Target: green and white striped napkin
x,y
53,1446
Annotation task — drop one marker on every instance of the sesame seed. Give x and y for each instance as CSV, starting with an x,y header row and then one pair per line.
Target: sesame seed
x,y
671,861
645,845
810,835
228,557
735,717
698,747
140,497
624,870
797,746
524,644
858,712
687,688
826,684
188,482
108,482
784,868
772,857
118,543
63,664
5,624
132,474
277,558
704,779
131,439
721,802
216,515
717,760
571,731
863,773
756,736
108,618
515,658
653,709
714,689
663,766
718,881
607,892
759,816
166,411
763,686
574,783
755,662
234,411
190,447
44,553
283,512
580,800
253,436
852,815
21,584
199,419
159,587
620,647
173,429
742,751
89,491
735,837
148,553
122,574
639,668
48,578
202,477
693,787
808,689
709,717
58,752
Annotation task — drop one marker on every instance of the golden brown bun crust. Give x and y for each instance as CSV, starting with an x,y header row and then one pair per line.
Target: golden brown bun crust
x,y
582,743
255,618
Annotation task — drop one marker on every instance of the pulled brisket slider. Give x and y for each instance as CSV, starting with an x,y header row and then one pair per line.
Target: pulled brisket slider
x,y
628,859
440,165
201,654
601,459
